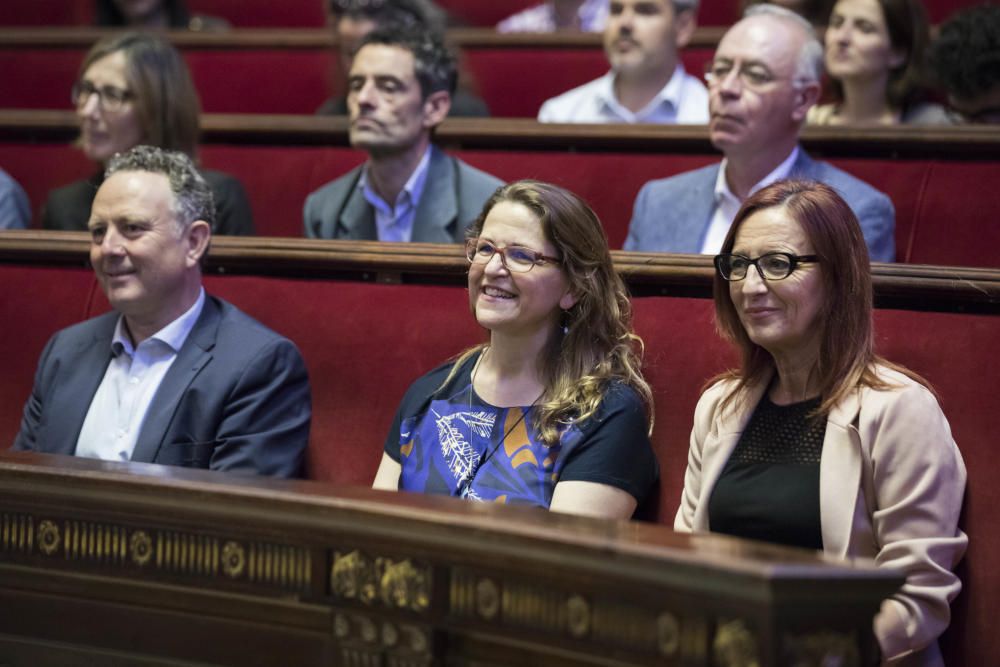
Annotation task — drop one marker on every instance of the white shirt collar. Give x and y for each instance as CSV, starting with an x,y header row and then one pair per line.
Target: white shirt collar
x,y
173,335
670,94
781,171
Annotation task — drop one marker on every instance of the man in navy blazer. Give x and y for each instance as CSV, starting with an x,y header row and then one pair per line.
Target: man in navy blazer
x,y
172,375
399,90
763,80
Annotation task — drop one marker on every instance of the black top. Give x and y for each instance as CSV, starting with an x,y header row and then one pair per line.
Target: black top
x,y
68,208
449,441
769,488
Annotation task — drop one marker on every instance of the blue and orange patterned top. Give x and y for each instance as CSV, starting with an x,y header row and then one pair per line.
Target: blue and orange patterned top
x,y
449,441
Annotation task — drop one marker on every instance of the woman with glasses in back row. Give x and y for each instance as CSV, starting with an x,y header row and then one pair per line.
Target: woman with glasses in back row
x,y
815,441
135,89
552,411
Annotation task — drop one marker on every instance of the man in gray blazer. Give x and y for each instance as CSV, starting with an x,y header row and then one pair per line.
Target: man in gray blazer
x,y
399,90
763,80
172,375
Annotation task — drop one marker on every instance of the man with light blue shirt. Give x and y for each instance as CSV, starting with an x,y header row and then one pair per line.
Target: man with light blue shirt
x,y
399,90
172,375
647,82
762,81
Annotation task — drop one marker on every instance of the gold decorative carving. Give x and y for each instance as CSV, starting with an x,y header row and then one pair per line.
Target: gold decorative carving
x,y
17,532
735,645
668,634
234,559
578,616
352,577
418,640
487,599
397,584
390,635
341,626
405,586
140,547
824,647
48,537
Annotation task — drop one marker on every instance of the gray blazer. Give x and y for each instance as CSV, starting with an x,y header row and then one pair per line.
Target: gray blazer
x,y
673,214
236,397
453,196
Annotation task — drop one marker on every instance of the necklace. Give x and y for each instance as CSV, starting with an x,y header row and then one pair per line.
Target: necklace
x,y
464,489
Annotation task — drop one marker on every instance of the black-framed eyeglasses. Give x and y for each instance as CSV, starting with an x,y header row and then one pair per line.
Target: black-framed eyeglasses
x,y
514,258
770,266
109,98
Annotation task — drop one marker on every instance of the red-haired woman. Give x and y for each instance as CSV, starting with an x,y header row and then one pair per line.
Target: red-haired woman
x,y
815,441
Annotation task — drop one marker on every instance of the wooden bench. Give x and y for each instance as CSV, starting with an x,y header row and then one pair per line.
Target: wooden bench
x,y
294,71
944,213
352,309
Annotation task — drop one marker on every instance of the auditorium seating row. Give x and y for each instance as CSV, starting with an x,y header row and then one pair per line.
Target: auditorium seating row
x,y
944,215
236,74
241,13
365,341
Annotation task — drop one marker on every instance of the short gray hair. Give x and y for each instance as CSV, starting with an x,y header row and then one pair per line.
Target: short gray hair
x,y
193,198
684,5
809,64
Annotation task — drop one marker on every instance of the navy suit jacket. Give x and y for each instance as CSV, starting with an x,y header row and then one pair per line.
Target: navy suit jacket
x,y
236,397
673,214
453,197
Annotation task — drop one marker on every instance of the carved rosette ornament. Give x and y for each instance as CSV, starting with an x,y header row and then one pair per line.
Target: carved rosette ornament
x,y
578,616
234,559
140,547
668,634
48,537
487,599
735,645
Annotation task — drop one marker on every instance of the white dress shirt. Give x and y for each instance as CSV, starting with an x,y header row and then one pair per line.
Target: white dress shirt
x,y
111,428
592,17
683,100
727,204
395,223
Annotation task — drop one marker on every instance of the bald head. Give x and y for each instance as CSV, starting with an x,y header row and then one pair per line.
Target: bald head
x,y
765,76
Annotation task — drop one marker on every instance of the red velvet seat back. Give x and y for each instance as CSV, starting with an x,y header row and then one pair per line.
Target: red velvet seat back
x,y
364,343
37,301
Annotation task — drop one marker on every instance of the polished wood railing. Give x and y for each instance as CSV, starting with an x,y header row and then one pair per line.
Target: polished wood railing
x,y
141,564
945,142
907,286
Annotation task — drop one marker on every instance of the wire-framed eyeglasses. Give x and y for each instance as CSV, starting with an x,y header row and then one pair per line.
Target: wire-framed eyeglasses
x,y
109,98
515,258
770,266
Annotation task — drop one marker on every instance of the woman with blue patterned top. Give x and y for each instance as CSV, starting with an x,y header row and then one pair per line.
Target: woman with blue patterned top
x,y
552,411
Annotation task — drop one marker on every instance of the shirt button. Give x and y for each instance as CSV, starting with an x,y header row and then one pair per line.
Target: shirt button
x,y
133,380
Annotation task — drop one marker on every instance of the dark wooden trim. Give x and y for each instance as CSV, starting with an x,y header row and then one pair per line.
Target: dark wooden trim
x,y
907,286
954,143
304,571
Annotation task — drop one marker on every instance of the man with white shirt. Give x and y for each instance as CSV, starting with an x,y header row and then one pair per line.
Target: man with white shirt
x,y
647,82
764,78
171,375
399,90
